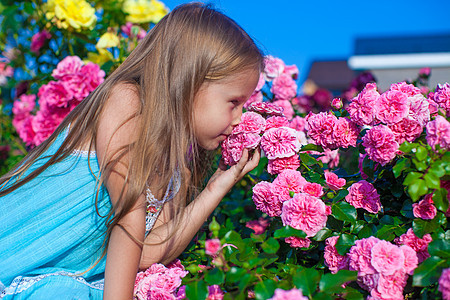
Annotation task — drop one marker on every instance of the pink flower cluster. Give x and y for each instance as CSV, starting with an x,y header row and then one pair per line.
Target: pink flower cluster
x,y
402,111
259,226
383,267
215,293
330,132
425,208
133,31
438,133
442,97
160,282
333,181
5,71
74,81
293,294
420,245
444,284
362,194
333,260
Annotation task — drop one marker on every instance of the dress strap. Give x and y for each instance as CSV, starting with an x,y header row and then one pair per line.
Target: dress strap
x,y
154,206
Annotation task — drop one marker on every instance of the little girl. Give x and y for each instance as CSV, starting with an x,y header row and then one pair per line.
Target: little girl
x,y
76,213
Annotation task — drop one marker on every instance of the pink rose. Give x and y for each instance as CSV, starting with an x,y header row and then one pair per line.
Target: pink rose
x,y
320,129
24,105
391,286
345,133
419,109
438,133
314,189
362,107
288,110
336,103
380,144
276,122
278,165
386,258
133,31
296,242
24,128
333,181
212,247
444,284
280,142
67,67
360,256
362,194
266,200
406,130
284,87
305,212
266,108
259,226
425,209
330,157
368,282
442,96
214,293
392,106
261,82
45,123
55,94
290,181
298,123
420,245
38,40
291,70
273,67
333,260
411,259
406,88
293,294
256,97
250,123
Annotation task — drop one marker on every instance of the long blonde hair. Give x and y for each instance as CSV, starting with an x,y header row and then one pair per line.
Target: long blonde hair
x,y
191,45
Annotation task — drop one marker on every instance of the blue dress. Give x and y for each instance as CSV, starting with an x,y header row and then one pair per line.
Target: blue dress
x,y
52,238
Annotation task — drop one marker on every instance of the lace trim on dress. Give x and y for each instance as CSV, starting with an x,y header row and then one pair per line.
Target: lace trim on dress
x,y
154,205
20,283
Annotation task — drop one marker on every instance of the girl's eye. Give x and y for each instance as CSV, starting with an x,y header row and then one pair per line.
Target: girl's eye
x,y
235,102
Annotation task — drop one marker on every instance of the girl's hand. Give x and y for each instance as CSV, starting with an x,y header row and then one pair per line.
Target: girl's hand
x,y
224,179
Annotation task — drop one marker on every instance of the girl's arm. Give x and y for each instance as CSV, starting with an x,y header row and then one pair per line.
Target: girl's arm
x,y
123,252
159,248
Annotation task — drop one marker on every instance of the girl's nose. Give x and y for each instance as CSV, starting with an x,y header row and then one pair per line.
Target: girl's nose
x,y
237,118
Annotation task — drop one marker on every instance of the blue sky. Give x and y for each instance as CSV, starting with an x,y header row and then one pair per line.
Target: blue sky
x,y
299,31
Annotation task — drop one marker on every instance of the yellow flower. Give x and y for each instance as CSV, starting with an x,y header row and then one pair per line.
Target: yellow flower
x,y
77,14
144,11
103,56
108,40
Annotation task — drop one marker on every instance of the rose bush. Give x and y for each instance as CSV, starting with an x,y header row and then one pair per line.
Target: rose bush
x,y
350,199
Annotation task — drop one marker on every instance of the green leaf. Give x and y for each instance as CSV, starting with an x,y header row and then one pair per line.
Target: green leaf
x,y
407,210
288,231
437,168
331,282
244,282
215,276
265,289
412,177
432,181
440,248
401,165
366,232
344,211
232,237
429,271
271,245
407,147
344,243
340,195
417,189
307,159
312,147
421,227
196,290
387,232
440,199
322,234
235,274
306,279
421,153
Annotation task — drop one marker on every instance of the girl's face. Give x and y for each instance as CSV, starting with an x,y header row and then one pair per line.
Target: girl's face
x,y
218,107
